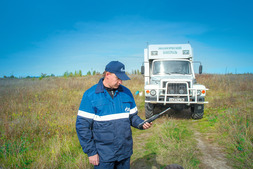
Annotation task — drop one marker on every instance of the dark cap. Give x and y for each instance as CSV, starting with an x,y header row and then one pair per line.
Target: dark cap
x,y
118,69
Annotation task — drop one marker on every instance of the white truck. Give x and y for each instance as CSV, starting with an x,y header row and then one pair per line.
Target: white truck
x,y
170,80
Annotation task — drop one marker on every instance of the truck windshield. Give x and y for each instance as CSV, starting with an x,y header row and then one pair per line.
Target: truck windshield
x,y
171,67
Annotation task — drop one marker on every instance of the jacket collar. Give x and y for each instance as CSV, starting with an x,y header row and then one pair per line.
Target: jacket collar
x,y
100,87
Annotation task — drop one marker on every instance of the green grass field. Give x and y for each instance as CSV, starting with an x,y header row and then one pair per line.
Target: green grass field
x,y
38,124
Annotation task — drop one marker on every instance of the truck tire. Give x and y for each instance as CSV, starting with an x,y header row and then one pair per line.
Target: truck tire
x,y
149,110
197,113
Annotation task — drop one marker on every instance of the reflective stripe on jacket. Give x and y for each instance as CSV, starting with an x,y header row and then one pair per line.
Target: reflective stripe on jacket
x,y
104,124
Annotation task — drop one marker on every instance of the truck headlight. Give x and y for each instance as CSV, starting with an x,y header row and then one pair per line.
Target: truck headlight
x,y
181,91
152,92
171,91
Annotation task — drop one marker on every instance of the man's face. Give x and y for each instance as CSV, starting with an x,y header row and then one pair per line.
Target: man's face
x,y
113,81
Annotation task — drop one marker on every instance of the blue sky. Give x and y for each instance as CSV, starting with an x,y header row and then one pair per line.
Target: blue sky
x,y
56,36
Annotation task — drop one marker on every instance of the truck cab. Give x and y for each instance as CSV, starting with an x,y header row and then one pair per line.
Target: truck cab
x,y
170,80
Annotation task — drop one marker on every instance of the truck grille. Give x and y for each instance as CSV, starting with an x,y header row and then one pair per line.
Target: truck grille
x,y
175,88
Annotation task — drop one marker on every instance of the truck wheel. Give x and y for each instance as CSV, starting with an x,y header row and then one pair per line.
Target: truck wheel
x,y
149,110
197,111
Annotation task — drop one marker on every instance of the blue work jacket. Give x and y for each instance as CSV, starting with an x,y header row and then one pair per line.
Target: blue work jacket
x,y
104,123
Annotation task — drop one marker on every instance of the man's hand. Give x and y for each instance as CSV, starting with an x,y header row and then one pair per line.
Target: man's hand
x,y
94,159
147,125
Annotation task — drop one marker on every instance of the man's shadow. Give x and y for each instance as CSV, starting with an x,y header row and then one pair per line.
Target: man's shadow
x,y
149,161
146,162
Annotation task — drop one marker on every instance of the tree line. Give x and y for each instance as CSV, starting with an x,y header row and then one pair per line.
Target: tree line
x,y
68,74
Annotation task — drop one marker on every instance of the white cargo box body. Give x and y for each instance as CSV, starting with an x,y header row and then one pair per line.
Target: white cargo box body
x,y
171,51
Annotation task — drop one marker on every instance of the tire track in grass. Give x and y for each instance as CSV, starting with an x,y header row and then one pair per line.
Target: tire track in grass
x,y
212,156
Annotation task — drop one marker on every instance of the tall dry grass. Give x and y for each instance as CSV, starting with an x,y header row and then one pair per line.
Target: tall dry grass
x,y
37,122
230,114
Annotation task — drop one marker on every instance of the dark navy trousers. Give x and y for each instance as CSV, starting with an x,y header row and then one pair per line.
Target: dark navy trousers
x,y
123,164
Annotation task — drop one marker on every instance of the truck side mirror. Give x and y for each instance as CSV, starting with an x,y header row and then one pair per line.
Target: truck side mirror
x,y
200,69
142,70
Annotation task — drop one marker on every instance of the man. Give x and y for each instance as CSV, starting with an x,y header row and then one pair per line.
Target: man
x,y
106,114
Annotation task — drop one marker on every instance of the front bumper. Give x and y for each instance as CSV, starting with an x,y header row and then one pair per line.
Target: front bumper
x,y
185,96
